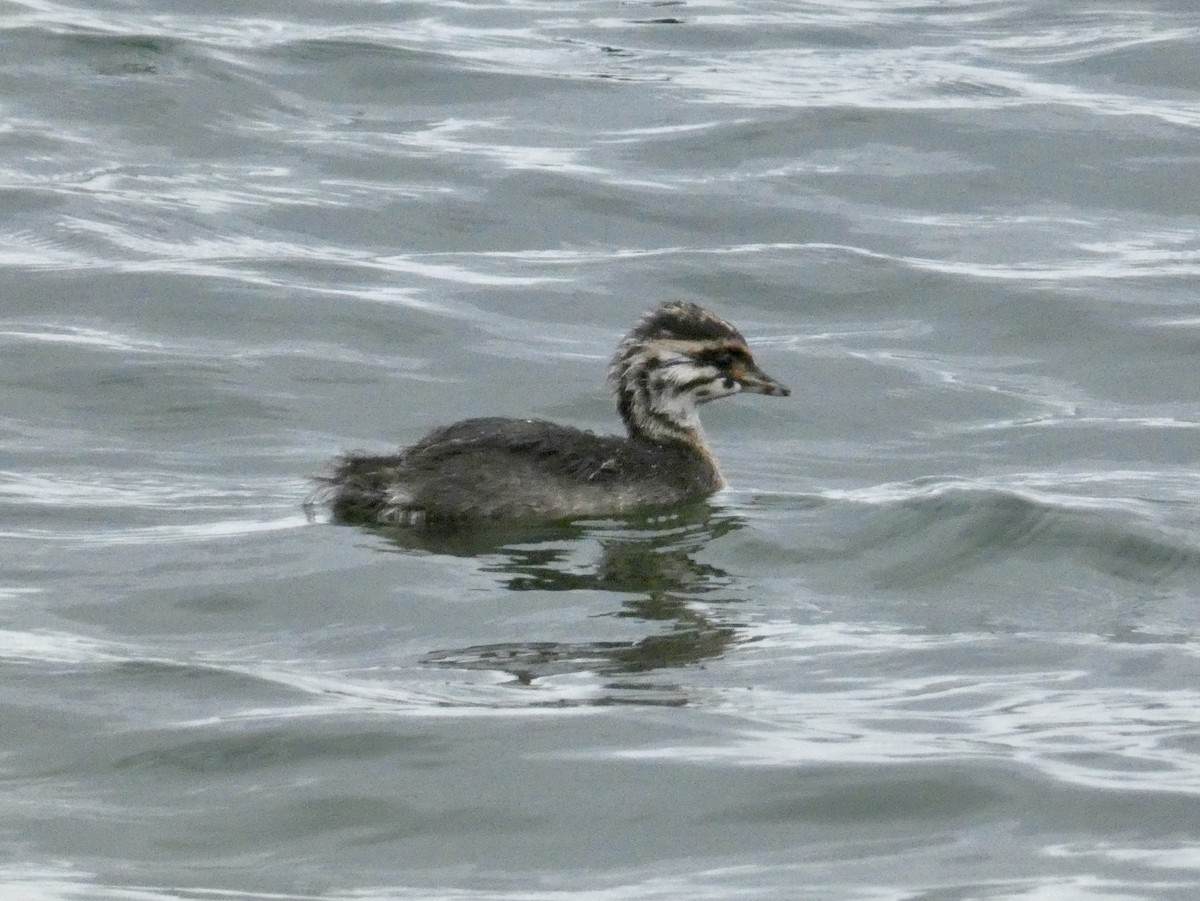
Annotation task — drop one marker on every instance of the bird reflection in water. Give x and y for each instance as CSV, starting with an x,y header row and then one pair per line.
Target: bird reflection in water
x,y
651,559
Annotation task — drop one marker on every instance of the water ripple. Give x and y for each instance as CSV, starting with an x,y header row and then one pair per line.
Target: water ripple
x,y
903,80
1101,736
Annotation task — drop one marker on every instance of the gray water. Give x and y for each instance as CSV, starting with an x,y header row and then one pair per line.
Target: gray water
x,y
939,640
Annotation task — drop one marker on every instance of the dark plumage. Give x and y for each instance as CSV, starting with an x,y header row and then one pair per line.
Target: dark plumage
x,y
677,356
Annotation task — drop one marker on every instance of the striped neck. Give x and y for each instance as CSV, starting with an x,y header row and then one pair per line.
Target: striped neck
x,y
650,401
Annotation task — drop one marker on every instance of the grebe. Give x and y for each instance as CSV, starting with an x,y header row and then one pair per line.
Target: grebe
x,y
676,358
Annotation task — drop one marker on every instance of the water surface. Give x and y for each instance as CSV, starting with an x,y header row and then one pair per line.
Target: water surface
x,y
939,638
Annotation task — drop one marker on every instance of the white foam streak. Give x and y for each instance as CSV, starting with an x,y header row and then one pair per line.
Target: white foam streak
x,y
1136,492
167,491
157,535
445,138
127,344
913,78
1149,254
314,693
57,882
243,258
36,648
82,336
1054,46
483,694
1102,736
1176,857
459,274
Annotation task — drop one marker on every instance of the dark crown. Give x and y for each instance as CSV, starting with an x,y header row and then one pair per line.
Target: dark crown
x,y
683,322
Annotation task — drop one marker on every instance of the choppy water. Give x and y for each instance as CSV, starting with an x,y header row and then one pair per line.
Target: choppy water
x,y
941,640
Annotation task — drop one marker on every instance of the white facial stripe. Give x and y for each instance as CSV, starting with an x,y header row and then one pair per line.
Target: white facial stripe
x,y
661,384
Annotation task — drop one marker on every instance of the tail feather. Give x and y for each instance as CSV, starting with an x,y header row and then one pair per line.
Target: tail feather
x,y
361,488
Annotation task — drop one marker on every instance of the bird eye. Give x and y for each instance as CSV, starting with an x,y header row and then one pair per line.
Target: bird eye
x,y
721,358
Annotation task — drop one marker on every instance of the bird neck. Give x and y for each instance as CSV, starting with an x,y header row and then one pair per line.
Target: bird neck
x,y
661,418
